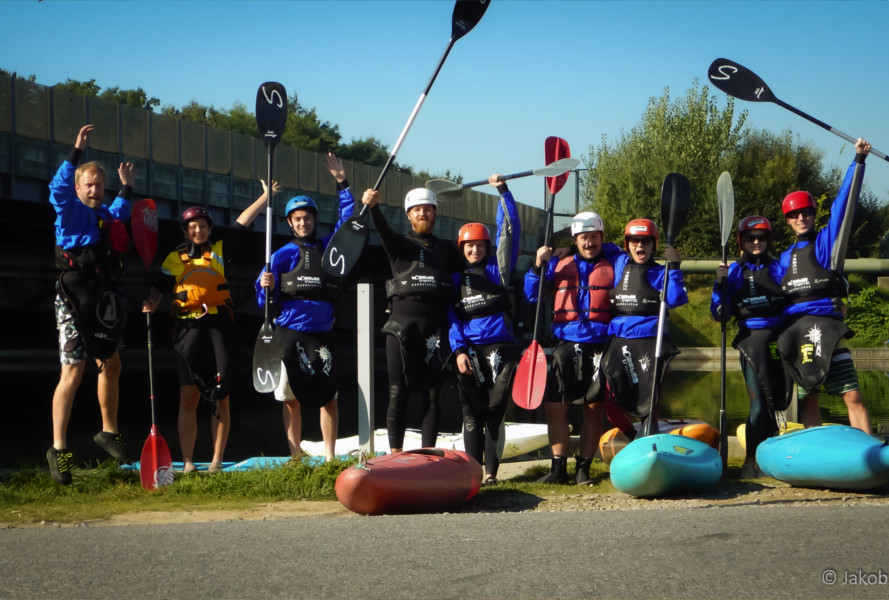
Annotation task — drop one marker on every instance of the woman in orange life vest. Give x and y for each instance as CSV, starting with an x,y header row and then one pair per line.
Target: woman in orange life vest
x,y
581,312
204,336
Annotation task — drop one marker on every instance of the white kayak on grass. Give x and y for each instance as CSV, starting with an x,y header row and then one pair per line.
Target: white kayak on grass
x,y
520,439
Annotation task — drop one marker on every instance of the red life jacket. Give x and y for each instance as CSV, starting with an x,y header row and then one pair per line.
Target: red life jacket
x,y
565,305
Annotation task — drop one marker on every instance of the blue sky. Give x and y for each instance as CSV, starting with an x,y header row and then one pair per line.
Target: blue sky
x,y
577,69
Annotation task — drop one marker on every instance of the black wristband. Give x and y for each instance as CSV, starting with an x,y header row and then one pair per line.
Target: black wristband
x,y
342,185
74,156
125,192
859,158
502,188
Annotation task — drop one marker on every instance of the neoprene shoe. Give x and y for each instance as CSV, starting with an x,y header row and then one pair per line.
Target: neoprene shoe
x,y
582,470
60,465
112,444
558,472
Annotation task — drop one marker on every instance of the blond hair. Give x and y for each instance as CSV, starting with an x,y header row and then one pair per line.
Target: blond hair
x,y
89,166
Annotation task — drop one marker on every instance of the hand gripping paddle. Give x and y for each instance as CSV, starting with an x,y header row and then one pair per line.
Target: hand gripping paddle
x,y
725,197
443,187
739,81
675,200
155,464
530,378
346,245
271,118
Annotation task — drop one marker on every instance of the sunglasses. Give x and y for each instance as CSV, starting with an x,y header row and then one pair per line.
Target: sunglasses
x,y
795,214
638,241
756,237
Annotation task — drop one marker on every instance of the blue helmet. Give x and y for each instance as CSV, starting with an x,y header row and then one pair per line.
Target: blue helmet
x,y
300,203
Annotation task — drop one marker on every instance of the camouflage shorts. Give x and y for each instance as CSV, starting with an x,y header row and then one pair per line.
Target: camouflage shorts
x,y
71,350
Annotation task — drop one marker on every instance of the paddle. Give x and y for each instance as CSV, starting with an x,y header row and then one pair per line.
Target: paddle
x,y
271,118
347,243
675,199
740,82
443,187
530,378
155,464
725,197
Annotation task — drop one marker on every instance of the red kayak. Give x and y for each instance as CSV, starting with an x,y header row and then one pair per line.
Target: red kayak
x,y
415,481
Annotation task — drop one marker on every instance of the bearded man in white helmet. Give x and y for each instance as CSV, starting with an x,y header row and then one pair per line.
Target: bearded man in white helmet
x,y
581,281
419,295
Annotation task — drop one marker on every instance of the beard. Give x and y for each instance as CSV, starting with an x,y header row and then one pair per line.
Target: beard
x,y
423,227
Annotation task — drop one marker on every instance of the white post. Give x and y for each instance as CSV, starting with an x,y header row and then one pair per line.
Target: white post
x,y
365,350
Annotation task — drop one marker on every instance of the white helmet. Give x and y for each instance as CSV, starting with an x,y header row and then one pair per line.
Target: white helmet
x,y
417,197
587,221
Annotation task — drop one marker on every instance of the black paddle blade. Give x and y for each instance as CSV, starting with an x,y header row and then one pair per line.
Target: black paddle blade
x,y
675,201
739,81
467,14
271,112
346,245
266,361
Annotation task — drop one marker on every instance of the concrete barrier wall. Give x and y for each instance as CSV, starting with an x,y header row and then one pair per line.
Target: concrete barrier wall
x,y
181,163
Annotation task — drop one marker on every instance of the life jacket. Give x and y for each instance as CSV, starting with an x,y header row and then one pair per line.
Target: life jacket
x,y
201,283
634,296
479,296
807,280
106,258
759,295
599,283
308,281
421,278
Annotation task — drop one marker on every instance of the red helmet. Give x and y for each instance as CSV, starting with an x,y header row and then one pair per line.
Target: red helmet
x,y
797,200
472,232
751,223
640,227
196,212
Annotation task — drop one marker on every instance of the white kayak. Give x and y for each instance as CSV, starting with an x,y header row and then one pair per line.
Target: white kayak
x,y
520,439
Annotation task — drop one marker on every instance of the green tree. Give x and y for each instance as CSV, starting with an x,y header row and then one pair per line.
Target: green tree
x,y
369,151
305,129
84,88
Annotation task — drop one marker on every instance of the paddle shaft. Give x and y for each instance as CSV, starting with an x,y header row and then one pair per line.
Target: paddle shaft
x,y
268,227
723,433
150,370
546,235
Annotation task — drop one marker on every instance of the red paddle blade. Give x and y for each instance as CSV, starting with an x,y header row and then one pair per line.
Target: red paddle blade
x,y
144,225
530,378
156,466
555,148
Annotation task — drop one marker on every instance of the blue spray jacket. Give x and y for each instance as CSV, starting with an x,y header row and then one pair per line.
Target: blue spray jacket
x,y
824,243
633,326
734,283
498,268
583,329
302,315
77,225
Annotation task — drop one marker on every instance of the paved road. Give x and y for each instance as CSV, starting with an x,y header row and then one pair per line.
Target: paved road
x,y
736,552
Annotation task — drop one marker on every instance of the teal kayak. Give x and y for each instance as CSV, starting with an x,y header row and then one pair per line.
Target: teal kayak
x,y
835,457
663,464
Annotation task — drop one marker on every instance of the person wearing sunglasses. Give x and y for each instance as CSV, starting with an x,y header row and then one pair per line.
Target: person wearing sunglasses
x,y
750,291
813,346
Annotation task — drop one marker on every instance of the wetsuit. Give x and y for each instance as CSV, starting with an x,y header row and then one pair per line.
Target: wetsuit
x,y
580,322
303,299
90,306
756,300
419,297
629,355
813,345
480,327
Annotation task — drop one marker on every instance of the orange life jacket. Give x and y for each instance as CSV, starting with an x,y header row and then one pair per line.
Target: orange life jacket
x,y
199,284
566,280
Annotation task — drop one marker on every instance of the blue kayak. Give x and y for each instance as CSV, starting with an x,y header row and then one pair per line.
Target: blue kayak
x,y
834,457
663,464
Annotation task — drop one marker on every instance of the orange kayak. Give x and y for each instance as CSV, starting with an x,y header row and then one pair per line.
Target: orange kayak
x,y
614,440
414,481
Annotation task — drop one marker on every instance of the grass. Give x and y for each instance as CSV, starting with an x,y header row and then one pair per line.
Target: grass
x,y
30,496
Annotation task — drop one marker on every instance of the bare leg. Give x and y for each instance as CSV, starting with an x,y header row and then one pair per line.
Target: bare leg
x,y
858,416
330,418
219,428
557,427
189,397
63,400
591,430
292,425
811,411
109,392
